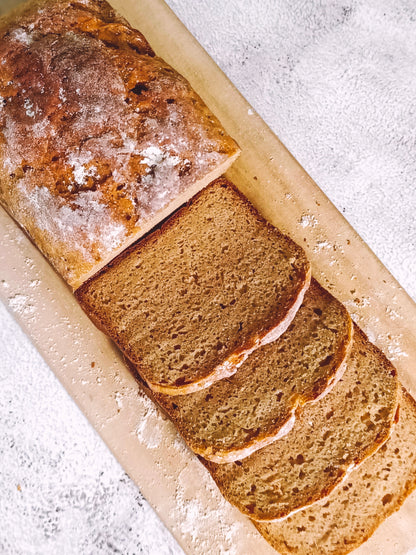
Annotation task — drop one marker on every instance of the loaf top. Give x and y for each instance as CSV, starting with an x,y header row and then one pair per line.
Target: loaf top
x,y
350,515
98,136
189,302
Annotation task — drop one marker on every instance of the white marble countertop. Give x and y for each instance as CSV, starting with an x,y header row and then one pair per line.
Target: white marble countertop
x,y
336,81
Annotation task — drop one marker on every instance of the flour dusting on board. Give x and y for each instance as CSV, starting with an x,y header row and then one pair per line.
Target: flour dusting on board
x,y
21,304
149,430
395,350
192,511
321,245
199,507
308,220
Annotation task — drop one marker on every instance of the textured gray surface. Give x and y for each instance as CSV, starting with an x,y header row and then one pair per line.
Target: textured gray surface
x,y
61,489
336,81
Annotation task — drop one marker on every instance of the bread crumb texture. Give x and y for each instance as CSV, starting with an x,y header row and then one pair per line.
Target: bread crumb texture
x,y
97,134
200,292
329,437
352,513
235,417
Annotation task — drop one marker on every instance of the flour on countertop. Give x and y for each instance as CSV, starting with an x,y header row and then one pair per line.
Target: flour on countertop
x,y
62,485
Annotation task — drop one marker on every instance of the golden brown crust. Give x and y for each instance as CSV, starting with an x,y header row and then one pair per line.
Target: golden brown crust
x,y
99,136
93,17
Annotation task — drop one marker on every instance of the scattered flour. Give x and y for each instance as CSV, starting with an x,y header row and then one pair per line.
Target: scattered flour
x,y
393,314
80,172
22,36
149,430
129,143
321,245
357,303
81,225
62,94
20,304
29,108
308,220
154,156
394,347
193,512
395,352
119,400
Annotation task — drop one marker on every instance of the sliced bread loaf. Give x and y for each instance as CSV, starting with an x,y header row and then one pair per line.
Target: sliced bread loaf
x,y
189,303
254,407
353,511
327,440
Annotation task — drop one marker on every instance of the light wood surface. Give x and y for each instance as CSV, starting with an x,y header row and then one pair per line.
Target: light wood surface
x,y
145,444
6,5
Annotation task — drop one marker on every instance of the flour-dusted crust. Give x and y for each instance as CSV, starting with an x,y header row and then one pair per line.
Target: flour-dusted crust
x,y
99,138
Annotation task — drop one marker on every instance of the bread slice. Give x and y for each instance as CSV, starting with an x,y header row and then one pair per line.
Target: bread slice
x,y
101,139
353,511
189,303
328,439
254,407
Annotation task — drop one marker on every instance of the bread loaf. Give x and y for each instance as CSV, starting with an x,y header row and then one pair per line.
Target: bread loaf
x,y
328,439
254,407
100,139
190,302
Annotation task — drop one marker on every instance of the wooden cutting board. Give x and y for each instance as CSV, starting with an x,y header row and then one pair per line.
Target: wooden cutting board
x,y
91,368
